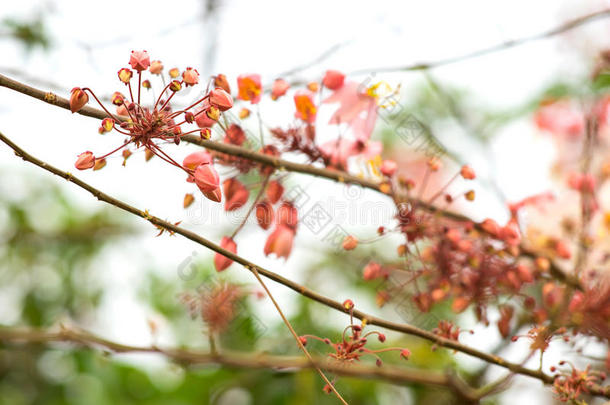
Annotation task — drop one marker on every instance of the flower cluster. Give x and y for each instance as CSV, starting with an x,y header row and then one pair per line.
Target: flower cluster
x,y
570,385
152,126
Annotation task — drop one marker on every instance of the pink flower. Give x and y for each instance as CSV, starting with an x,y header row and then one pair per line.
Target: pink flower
x,y
264,214
279,242
236,194
333,79
357,109
338,151
221,99
78,99
279,88
306,109
84,161
190,76
206,178
249,88
560,118
139,60
222,262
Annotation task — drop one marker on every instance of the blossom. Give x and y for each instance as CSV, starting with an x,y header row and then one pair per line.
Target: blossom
x,y
560,117
333,79
306,109
221,262
372,271
356,108
249,88
236,194
84,161
279,242
190,76
279,88
78,99
221,99
139,60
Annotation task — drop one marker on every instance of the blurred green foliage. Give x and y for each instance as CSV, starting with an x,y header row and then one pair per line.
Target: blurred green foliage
x,y
30,33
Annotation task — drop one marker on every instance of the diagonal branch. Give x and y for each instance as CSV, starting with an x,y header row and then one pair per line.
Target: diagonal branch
x,y
280,164
368,319
281,364
567,26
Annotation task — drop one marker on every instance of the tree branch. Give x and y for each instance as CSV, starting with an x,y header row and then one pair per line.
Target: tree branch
x,y
280,164
369,319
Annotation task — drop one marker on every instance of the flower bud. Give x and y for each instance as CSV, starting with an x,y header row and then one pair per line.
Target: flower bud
x,y
222,262
371,271
117,98
405,353
202,120
107,124
174,72
236,194
99,164
279,242
467,172
188,200
214,195
156,67
206,178
388,168
146,84
78,99
221,99
287,215
205,133
348,304
244,113
84,161
221,81
189,117
264,214
274,191
139,60
213,113
333,79
313,87
148,154
350,242
125,75
190,76
235,135
175,86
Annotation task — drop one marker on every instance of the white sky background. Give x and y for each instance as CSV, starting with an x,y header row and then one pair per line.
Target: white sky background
x,y
269,37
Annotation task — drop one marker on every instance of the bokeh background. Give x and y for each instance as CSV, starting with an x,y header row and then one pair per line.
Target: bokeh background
x,y
66,258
